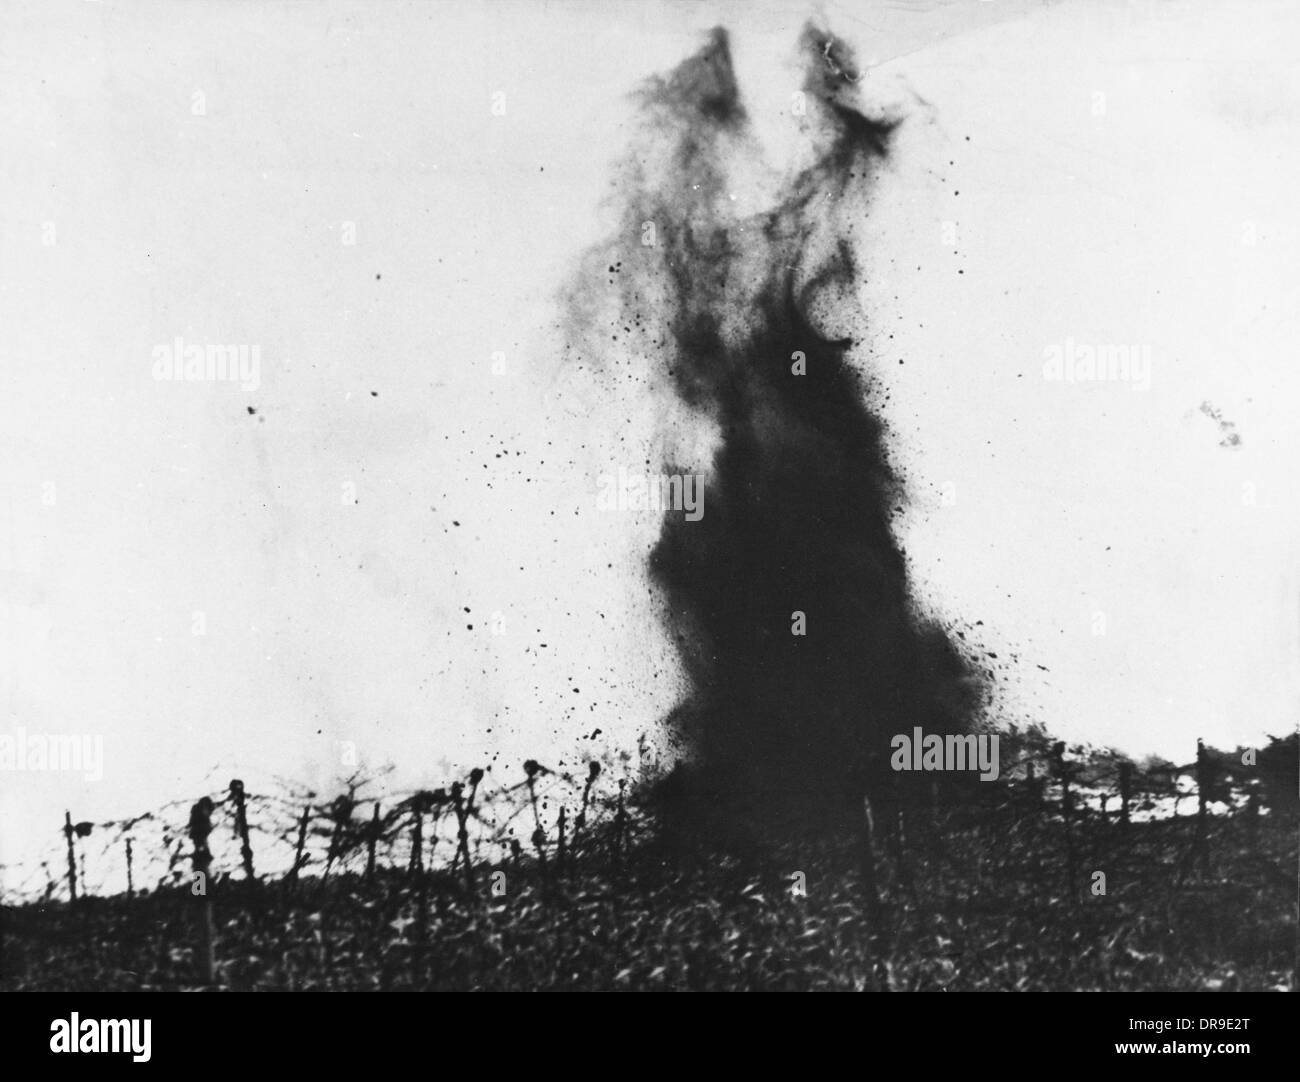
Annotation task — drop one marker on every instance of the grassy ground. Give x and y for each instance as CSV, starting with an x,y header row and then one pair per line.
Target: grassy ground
x,y
979,901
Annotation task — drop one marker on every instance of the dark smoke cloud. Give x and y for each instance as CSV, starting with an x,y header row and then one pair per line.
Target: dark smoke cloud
x,y
723,299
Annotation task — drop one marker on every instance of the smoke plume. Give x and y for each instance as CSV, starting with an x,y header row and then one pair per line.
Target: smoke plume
x,y
740,291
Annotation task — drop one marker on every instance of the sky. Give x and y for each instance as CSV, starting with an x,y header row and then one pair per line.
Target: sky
x,y
389,541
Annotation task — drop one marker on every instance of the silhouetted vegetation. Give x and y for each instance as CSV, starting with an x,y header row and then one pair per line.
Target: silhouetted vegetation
x,y
975,886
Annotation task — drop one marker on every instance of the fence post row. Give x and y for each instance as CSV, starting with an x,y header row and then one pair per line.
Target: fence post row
x,y
570,829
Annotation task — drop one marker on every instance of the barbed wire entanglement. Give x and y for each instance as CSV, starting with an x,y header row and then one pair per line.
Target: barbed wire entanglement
x,y
293,833
415,888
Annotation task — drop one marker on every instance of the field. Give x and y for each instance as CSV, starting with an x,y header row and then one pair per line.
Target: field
x,y
993,898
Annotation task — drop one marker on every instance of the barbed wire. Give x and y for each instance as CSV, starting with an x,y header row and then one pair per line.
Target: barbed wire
x,y
299,829
278,819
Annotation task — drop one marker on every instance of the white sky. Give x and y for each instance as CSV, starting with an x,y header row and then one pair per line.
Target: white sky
x,y
1122,219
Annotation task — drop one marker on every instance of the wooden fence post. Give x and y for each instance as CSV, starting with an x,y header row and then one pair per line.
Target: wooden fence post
x,y
416,863
241,827
415,870
200,828
130,884
559,847
370,843
871,895
531,769
593,772
302,841
899,841
1125,793
1202,792
620,821
72,857
1062,769
475,777
462,831
340,814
